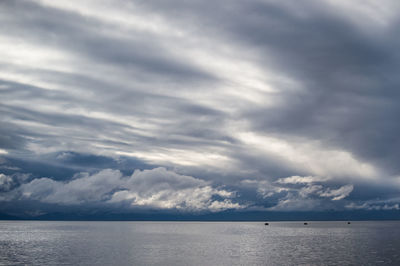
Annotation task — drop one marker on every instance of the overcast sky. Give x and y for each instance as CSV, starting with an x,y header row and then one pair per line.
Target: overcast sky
x,y
199,106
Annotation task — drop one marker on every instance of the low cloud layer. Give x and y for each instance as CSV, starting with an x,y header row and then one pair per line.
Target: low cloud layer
x,y
156,189
259,104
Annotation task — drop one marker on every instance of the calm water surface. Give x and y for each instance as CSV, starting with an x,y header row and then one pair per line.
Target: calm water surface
x,y
199,243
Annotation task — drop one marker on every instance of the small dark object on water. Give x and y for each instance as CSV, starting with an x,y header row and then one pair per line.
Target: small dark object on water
x,y
266,224
305,223
348,223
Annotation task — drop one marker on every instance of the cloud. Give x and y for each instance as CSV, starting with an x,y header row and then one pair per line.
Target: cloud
x,y
287,103
263,188
5,182
338,194
155,189
300,179
300,193
372,206
10,182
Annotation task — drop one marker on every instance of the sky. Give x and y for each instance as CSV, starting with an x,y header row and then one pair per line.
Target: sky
x,y
191,108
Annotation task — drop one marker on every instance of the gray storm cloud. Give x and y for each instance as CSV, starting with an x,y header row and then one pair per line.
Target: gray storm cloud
x,y
293,105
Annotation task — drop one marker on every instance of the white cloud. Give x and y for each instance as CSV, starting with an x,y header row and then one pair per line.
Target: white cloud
x,y
338,194
293,203
163,189
158,188
300,179
299,193
263,187
310,190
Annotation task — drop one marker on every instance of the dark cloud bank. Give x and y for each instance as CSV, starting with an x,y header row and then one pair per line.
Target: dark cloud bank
x,y
190,110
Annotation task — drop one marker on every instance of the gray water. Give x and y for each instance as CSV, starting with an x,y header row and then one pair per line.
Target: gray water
x,y
199,243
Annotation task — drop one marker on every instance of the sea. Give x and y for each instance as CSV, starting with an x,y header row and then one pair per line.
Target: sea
x,y
199,243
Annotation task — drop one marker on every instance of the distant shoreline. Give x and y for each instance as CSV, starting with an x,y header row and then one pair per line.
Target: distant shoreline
x,y
205,221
